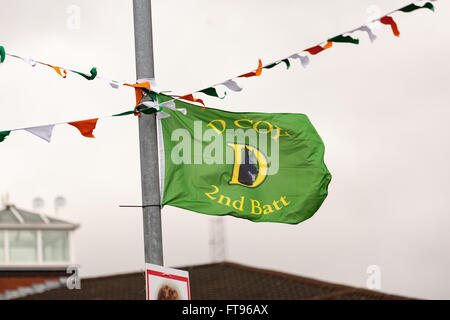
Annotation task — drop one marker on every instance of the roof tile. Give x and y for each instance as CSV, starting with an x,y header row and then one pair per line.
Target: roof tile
x,y
219,281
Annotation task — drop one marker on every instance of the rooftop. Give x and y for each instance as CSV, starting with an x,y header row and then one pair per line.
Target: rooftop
x,y
217,281
12,218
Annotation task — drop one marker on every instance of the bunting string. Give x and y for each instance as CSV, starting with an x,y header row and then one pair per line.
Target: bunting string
x,y
148,87
62,71
346,37
85,127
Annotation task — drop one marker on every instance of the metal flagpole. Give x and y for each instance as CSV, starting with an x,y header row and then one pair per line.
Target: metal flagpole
x,y
148,142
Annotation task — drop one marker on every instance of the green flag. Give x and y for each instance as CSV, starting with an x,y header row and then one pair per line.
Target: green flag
x,y
3,135
257,166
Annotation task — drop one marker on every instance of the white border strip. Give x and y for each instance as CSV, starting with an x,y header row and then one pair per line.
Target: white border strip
x,y
161,157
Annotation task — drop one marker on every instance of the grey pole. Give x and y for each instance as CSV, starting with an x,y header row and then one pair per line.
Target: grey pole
x,y
148,142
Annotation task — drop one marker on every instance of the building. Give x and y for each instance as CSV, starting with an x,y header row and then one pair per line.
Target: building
x,y
217,281
35,251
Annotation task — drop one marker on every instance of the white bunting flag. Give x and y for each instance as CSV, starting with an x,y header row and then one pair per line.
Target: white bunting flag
x,y
162,115
28,61
43,132
232,85
153,86
171,105
113,83
372,35
303,59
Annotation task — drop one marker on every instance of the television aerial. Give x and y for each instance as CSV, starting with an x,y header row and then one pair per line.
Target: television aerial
x,y
60,202
38,203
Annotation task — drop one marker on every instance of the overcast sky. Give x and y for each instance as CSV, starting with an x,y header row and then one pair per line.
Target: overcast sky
x,y
381,109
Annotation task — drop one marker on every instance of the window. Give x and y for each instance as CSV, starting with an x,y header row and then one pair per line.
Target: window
x,y
22,246
8,217
55,246
2,247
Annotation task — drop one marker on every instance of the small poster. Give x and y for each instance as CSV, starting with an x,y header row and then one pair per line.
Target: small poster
x,y
166,283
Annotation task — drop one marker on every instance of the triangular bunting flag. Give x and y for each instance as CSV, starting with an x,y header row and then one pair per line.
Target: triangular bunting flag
x,y
303,59
86,127
212,92
87,77
126,113
62,73
317,49
346,39
412,7
371,35
143,85
232,85
190,97
389,21
3,135
114,84
43,132
171,105
286,61
256,73
2,54
139,87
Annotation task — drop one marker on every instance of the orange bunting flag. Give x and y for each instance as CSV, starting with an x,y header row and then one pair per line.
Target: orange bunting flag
x,y
143,85
256,73
86,127
317,49
190,97
57,69
139,95
389,21
329,44
138,89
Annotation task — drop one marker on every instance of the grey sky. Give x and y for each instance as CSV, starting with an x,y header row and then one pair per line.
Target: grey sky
x,y
381,109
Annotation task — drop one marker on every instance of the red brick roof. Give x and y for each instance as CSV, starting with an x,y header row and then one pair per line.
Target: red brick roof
x,y
13,283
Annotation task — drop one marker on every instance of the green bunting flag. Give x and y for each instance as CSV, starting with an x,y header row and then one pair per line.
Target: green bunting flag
x,y
212,92
145,110
346,39
88,77
126,113
148,110
286,61
258,166
3,135
2,54
412,7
